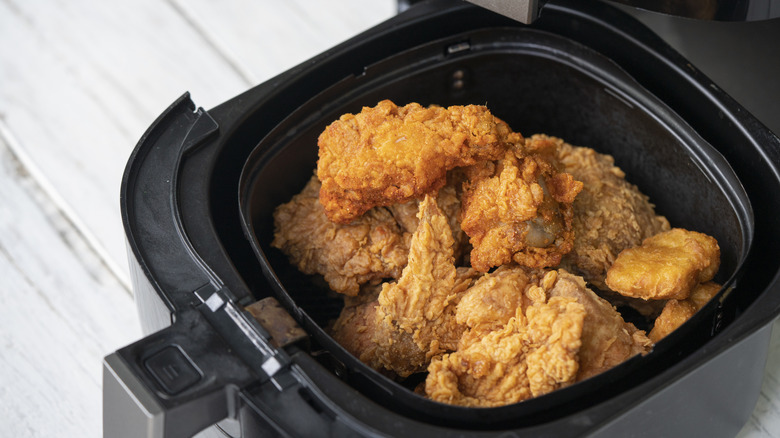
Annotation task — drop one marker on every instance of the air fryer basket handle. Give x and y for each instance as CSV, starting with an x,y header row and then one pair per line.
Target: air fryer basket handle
x,y
131,409
169,384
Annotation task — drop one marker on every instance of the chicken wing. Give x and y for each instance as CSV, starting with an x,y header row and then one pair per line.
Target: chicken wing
x,y
519,209
389,154
666,266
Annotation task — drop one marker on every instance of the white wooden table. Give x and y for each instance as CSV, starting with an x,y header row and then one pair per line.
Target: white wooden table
x,y
80,81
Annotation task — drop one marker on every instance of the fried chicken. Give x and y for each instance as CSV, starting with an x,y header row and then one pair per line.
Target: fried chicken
x,y
495,297
370,249
607,340
610,214
389,154
530,332
449,202
409,193
412,319
376,342
666,266
676,312
533,354
519,209
423,300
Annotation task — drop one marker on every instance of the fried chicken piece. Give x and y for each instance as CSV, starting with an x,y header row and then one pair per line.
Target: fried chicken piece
x,y
533,354
519,209
495,297
568,334
390,154
676,312
423,300
666,266
376,342
413,319
610,214
370,249
607,340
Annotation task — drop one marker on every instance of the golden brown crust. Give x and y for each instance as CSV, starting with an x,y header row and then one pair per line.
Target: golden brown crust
x,y
666,266
413,319
607,340
519,209
533,354
389,154
610,214
676,312
367,250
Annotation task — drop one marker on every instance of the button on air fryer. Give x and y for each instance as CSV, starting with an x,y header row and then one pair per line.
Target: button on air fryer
x,y
173,370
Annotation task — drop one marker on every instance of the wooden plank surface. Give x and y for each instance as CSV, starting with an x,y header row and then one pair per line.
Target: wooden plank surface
x,y
80,81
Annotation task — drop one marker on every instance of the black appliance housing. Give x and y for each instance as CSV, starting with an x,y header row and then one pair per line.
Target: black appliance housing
x,y
200,187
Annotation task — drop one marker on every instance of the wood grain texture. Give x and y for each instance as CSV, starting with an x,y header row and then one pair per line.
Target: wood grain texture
x,y
62,312
80,81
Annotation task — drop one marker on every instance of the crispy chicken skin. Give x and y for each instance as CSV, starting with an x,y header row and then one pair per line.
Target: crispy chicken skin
x,y
495,297
676,312
449,202
533,354
389,154
519,209
412,319
376,342
610,214
666,266
370,249
607,340
558,332
423,300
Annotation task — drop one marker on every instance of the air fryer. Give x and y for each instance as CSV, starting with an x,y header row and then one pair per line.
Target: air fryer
x,y
200,188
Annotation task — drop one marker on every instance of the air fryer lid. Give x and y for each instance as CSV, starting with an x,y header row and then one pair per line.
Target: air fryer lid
x,y
537,82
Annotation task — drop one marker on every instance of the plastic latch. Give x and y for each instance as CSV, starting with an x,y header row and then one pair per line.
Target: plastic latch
x,y
172,370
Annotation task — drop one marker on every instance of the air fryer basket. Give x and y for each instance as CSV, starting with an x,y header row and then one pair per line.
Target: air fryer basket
x,y
538,83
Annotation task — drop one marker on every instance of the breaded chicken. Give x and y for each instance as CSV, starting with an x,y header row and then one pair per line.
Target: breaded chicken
x,y
533,354
666,266
389,154
423,300
607,340
676,312
610,214
519,209
376,342
412,319
370,249
495,297
559,332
